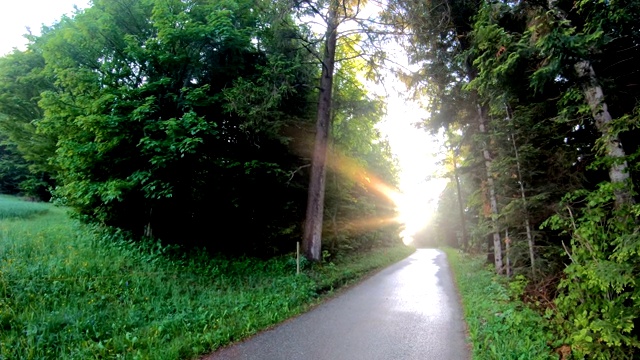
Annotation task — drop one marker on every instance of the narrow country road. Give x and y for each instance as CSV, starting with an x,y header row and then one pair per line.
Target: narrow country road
x,y
409,310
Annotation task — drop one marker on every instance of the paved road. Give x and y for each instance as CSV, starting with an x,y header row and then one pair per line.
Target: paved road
x,y
407,311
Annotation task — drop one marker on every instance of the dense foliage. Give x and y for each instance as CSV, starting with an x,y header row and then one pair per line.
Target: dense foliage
x,y
184,120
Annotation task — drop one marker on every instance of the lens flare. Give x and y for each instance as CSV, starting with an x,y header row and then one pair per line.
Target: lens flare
x,y
411,210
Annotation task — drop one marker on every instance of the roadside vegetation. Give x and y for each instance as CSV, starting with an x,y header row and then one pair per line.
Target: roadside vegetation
x,y
70,291
501,327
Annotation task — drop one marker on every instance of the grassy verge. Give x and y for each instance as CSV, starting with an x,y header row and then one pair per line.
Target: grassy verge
x,y
67,293
500,327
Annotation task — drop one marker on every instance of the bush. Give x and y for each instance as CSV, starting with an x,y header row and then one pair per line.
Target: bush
x,y
598,307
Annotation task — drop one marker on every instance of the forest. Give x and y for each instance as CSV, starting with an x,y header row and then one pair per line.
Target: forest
x,y
538,103
170,119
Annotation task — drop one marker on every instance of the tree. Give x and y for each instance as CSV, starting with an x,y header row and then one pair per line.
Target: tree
x,y
453,153
174,112
13,169
22,80
312,237
594,97
335,13
157,113
359,163
560,47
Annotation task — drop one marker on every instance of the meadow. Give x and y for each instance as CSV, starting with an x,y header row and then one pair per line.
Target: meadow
x,y
70,291
14,208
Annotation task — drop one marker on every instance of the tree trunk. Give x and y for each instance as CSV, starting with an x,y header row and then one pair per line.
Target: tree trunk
x,y
465,238
497,246
312,238
527,224
148,231
618,173
507,248
523,195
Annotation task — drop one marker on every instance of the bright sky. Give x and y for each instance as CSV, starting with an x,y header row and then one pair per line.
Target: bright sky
x,y
416,151
17,15
414,148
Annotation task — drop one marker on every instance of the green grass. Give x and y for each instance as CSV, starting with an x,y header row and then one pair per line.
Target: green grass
x,y
500,327
68,293
11,207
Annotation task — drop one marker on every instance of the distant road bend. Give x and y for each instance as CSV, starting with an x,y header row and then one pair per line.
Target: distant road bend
x,y
409,310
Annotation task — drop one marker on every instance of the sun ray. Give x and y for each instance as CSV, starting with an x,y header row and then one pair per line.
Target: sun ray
x,y
410,208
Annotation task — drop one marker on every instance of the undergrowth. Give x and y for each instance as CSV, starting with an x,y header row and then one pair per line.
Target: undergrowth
x,y
500,326
67,292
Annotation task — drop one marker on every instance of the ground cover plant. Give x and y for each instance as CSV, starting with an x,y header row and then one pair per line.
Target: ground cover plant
x,y
71,292
500,326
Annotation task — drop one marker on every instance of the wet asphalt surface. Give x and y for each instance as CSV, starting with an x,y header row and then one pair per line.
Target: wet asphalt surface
x,y
409,310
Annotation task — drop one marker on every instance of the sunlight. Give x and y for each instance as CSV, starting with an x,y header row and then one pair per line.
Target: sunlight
x,y
415,204
416,151
416,199
355,171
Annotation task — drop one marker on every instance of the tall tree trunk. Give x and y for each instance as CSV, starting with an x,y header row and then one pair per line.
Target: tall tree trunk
x,y
618,173
523,195
594,96
527,223
507,248
312,238
497,246
465,237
